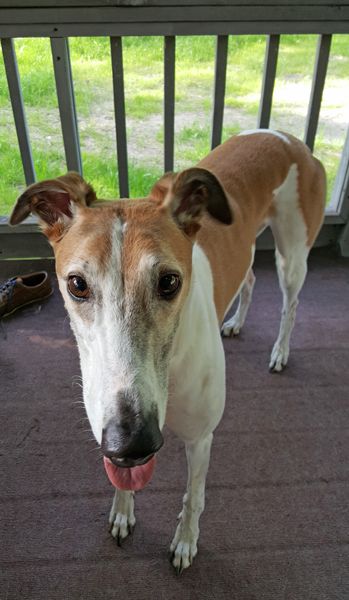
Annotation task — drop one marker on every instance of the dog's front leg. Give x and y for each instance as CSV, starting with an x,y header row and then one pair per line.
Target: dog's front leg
x,y
121,518
184,543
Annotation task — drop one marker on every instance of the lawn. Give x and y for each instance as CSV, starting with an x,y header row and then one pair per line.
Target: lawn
x,y
143,65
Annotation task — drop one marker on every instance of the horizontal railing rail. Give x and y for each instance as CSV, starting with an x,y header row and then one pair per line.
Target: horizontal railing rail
x,y
166,17
58,20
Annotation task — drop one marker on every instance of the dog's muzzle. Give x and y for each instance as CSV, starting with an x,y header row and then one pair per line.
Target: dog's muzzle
x,y
132,442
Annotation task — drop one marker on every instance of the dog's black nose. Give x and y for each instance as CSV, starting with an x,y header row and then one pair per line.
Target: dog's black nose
x,y
133,440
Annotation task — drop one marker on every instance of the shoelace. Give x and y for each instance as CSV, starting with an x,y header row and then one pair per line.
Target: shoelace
x,y
6,289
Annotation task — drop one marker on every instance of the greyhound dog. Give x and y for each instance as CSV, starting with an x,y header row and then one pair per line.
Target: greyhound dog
x,y
147,284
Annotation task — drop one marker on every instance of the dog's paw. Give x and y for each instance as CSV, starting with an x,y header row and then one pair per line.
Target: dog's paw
x,y
183,549
278,359
121,527
121,518
231,327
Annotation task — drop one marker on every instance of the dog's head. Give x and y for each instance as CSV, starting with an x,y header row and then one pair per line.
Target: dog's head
x,y
124,270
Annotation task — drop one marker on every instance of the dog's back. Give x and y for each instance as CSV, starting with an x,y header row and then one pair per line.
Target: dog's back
x,y
271,178
254,168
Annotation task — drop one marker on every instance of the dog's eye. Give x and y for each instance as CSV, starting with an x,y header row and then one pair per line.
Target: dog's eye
x,y
169,285
78,287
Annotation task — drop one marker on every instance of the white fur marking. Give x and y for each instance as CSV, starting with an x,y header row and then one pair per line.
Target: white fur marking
x,y
184,543
278,134
289,219
104,358
197,403
198,328
290,235
147,263
122,518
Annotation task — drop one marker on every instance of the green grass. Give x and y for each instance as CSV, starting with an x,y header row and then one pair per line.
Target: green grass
x,y
143,68
105,180
194,140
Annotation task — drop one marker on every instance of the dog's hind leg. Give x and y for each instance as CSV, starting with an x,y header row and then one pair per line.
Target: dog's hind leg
x,y
184,544
292,271
121,518
291,254
235,323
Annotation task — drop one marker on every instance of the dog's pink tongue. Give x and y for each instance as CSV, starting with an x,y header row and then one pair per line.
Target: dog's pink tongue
x,y
132,478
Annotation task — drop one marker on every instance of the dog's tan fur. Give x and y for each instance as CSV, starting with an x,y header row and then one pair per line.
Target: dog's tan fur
x,y
135,345
251,195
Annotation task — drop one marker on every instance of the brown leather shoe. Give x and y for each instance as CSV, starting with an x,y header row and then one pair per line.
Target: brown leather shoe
x,y
22,290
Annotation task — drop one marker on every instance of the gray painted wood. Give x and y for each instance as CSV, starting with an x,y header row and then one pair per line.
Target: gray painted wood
x,y
343,183
219,89
30,224
165,19
33,244
341,191
143,14
169,100
14,86
269,73
24,245
116,27
319,78
328,236
120,116
66,103
163,3
9,268
340,194
344,197
343,241
60,18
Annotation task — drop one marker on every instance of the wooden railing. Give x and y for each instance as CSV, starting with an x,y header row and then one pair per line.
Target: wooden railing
x,y
60,19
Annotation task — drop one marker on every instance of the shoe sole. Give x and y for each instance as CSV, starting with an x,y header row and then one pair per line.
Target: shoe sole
x,y
26,304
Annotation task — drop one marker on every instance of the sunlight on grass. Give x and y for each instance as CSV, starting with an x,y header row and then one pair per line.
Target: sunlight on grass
x,y
103,175
329,154
293,83
13,183
192,143
245,66
143,75
36,72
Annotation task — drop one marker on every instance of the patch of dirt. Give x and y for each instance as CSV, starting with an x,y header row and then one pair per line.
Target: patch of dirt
x,y
144,136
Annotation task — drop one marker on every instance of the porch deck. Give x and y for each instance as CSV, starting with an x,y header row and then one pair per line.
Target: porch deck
x,y
278,479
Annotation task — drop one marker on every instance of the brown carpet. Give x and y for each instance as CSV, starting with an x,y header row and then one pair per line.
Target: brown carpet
x,y
276,524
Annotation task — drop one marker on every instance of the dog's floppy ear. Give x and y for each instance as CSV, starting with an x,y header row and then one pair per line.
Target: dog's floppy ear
x,y
193,191
52,201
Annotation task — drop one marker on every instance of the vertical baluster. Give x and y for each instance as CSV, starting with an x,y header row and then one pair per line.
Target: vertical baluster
x,y
270,64
341,192
169,100
15,91
319,77
219,89
66,102
120,116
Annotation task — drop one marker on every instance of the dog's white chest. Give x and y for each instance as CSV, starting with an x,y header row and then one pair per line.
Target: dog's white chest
x,y
197,365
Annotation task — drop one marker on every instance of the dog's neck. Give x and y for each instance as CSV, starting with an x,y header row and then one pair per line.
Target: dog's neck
x,y
196,345
199,306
